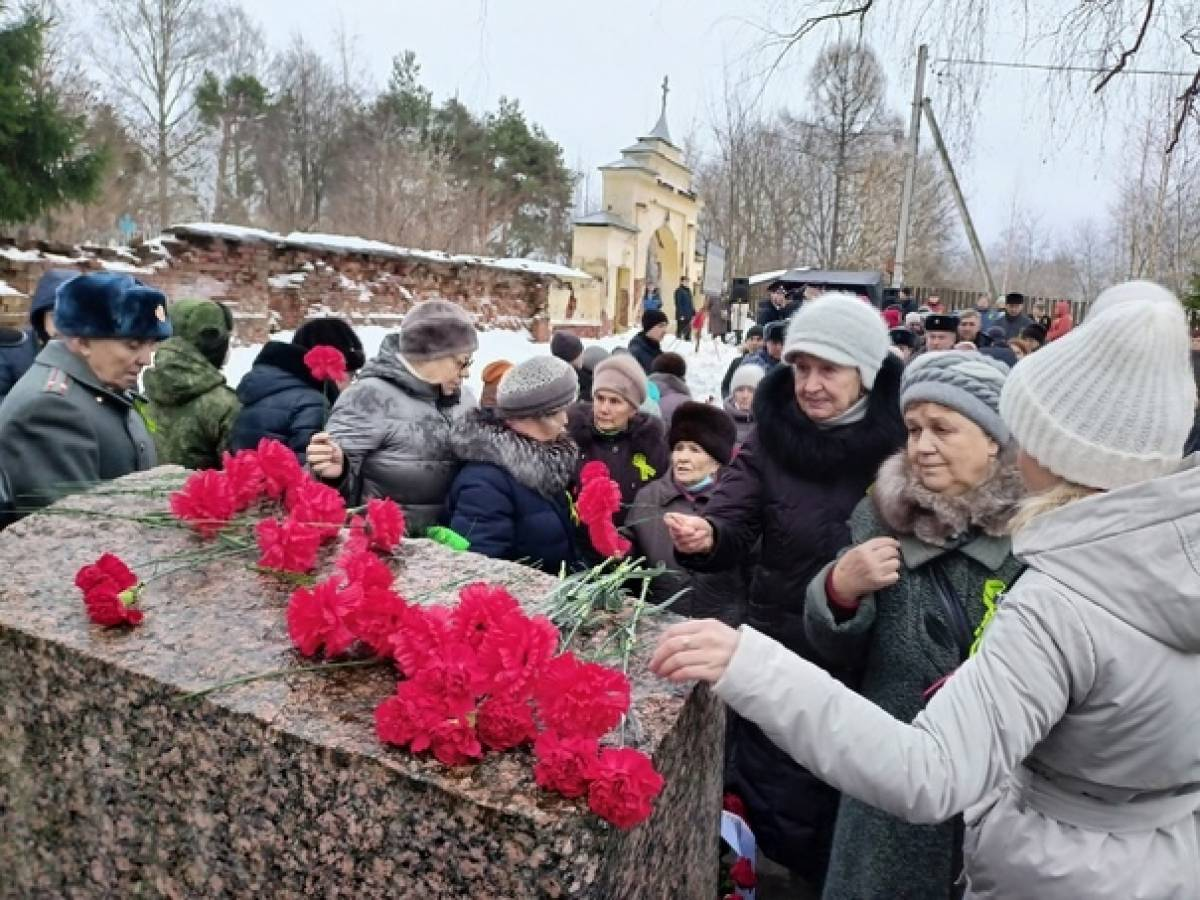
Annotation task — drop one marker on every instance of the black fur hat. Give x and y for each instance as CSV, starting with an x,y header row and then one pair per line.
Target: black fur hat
x,y
332,332
709,426
109,305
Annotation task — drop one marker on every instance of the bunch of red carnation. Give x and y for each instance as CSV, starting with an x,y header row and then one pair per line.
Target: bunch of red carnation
x,y
326,363
599,500
483,675
110,591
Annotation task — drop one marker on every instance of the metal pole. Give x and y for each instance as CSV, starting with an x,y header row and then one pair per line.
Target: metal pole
x,y
910,172
972,237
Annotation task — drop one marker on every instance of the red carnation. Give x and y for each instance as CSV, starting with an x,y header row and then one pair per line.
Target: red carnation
x,y
454,742
422,630
317,505
287,546
453,671
481,607
732,803
375,617
598,500
357,540
385,522
622,784
409,716
580,699
205,501
315,620
742,873
517,651
606,540
563,763
326,363
592,470
365,568
110,591
245,478
503,724
279,466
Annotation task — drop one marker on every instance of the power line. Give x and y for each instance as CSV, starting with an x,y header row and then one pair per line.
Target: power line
x,y
999,64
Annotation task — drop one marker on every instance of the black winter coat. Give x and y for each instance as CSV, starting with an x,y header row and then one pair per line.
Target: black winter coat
x,y
644,350
510,497
715,595
793,485
768,312
281,400
685,307
635,456
18,350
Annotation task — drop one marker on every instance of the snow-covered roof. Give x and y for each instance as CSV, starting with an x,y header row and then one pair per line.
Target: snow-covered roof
x,y
768,276
290,280
628,164
344,243
20,255
604,217
110,265
7,290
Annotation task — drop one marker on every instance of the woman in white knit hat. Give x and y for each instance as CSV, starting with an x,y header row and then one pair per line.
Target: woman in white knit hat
x,y
824,421
1071,740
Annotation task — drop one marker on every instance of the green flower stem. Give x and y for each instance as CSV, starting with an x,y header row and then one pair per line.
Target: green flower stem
x,y
283,673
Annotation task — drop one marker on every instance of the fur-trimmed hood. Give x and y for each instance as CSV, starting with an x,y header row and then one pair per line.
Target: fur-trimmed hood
x,y
794,442
544,467
907,507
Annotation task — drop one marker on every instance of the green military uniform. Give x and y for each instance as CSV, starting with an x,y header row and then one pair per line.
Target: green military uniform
x,y
61,430
191,408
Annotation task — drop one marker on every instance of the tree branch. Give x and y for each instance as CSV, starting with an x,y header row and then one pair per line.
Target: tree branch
x,y
1127,55
1187,104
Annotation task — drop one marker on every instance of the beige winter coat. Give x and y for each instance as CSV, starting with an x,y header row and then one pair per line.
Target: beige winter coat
x,y
1071,740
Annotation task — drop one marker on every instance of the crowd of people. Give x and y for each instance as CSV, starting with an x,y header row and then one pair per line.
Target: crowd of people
x,y
941,565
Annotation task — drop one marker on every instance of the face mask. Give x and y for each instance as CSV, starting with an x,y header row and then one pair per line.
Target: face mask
x,y
703,483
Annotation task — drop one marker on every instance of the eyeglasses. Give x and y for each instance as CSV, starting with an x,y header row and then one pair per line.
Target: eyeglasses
x,y
464,364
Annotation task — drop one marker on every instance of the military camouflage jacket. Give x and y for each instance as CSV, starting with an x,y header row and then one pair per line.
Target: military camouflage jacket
x,y
191,409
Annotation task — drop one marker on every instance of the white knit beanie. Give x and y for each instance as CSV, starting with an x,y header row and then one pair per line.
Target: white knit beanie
x,y
842,329
1110,403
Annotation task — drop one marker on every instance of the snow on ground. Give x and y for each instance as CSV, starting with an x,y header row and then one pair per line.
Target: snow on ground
x,y
705,369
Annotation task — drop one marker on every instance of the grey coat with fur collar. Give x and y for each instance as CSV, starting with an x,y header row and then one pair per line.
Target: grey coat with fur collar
x,y
904,637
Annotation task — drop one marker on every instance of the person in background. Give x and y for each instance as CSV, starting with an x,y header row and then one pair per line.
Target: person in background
x,y
770,353
1021,347
567,347
632,444
929,550
1034,334
647,343
702,440
997,347
389,434
191,407
987,315
1039,314
969,326
915,322
685,308
904,343
490,376
941,332
1070,734
698,321
739,402
651,300
934,305
669,372
892,317
1014,320
750,346
778,306
19,347
908,303
72,419
509,499
592,357
823,424
1062,322
280,397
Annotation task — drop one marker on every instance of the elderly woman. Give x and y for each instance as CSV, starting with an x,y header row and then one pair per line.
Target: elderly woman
x,y
824,422
389,434
740,402
702,440
510,497
611,429
1069,737
931,555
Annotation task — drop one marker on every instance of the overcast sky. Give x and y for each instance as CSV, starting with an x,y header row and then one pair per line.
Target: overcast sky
x,y
589,73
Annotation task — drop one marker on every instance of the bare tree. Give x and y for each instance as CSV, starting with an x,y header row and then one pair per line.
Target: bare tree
x,y
163,46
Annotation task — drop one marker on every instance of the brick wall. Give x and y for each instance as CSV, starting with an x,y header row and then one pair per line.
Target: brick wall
x,y
272,286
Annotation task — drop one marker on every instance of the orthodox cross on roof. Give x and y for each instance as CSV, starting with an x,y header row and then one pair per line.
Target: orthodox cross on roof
x,y
660,130
666,88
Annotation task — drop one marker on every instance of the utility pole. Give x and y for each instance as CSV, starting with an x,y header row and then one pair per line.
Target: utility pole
x,y
910,172
972,237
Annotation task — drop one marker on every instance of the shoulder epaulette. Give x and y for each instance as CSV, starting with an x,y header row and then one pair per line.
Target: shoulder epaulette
x,y
57,383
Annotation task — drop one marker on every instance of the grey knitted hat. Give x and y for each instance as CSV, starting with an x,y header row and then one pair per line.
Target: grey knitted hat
x,y
842,329
746,375
966,382
539,386
435,329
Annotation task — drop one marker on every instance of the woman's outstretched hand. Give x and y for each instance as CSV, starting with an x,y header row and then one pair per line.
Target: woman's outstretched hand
x,y
689,534
697,650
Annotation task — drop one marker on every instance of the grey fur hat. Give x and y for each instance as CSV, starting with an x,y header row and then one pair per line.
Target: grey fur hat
x,y
540,386
966,382
435,329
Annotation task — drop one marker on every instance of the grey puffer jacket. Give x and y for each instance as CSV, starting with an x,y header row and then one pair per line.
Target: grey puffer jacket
x,y
394,430
907,638
1069,739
